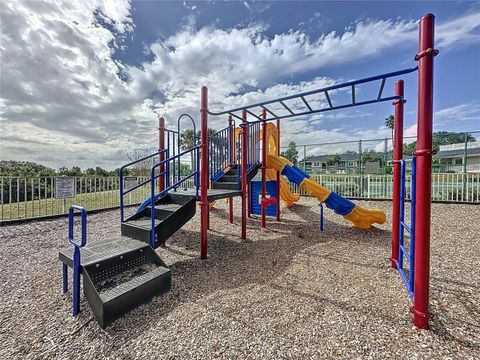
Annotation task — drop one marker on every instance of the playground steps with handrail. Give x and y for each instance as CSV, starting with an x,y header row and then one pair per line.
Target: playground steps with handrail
x,y
171,212
119,274
231,180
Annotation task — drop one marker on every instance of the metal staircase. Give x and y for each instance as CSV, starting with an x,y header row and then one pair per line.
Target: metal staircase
x,y
171,212
123,272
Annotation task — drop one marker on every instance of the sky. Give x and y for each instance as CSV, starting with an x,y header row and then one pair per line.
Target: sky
x,y
83,82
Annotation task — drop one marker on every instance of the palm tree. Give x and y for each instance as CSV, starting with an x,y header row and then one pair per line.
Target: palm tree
x,y
390,123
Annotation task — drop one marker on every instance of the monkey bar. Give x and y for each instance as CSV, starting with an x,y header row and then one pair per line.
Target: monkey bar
x,y
280,102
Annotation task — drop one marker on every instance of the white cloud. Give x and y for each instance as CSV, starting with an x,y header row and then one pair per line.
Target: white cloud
x,y
468,112
63,101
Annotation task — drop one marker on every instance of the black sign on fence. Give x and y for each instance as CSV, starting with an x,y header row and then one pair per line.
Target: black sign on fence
x,y
129,182
65,187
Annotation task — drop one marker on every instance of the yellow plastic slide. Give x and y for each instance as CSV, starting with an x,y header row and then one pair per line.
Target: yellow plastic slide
x,y
360,217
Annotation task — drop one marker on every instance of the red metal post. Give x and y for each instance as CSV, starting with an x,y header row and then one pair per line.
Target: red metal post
x,y
244,134
264,165
232,161
423,152
204,172
161,146
278,172
397,156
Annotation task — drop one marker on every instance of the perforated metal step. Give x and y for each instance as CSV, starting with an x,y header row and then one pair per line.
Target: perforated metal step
x,y
119,274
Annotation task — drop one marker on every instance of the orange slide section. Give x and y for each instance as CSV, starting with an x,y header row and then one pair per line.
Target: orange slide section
x,y
288,197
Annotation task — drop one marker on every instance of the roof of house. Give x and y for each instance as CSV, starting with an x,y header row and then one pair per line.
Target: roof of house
x,y
459,152
323,158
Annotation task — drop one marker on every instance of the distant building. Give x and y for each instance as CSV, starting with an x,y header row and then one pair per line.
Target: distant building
x,y
348,163
452,157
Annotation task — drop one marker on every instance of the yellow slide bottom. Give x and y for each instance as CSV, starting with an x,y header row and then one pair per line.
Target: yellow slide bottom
x,y
364,218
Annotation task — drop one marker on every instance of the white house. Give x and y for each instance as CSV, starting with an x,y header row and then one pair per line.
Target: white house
x,y
453,156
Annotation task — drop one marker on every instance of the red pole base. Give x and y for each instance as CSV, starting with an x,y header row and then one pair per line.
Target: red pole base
x,y
420,319
394,263
230,213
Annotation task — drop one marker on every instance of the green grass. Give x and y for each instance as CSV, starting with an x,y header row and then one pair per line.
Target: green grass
x,y
91,201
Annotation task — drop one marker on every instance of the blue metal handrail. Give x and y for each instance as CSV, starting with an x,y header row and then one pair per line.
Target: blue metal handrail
x,y
154,197
179,142
123,193
76,263
324,90
253,150
219,152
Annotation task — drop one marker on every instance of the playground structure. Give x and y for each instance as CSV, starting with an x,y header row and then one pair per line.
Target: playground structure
x,y
223,165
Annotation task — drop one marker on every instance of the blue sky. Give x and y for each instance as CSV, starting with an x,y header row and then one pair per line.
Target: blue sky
x,y
83,82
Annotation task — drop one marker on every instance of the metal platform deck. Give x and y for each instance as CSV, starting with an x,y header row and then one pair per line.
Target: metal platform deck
x,y
213,194
99,250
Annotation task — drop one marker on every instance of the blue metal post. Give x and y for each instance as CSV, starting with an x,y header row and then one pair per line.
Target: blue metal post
x,y
65,277
76,253
412,225
122,216
402,214
321,217
152,202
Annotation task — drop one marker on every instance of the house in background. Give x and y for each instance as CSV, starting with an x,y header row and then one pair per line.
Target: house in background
x,y
451,157
347,163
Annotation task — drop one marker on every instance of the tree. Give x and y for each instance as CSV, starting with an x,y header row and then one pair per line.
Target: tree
x,y
371,155
390,123
101,172
440,138
89,172
24,169
141,168
73,171
333,160
291,153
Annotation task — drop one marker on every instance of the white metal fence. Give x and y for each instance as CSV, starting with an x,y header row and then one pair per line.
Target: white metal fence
x,y
23,198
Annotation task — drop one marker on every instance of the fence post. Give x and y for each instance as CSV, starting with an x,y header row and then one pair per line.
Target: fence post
x,y
360,167
464,177
304,156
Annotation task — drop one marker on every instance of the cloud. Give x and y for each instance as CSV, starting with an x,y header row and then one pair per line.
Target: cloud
x,y
468,112
65,94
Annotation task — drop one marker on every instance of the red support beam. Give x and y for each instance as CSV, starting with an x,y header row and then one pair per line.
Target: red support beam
x,y
204,172
397,156
278,172
230,210
244,135
232,161
264,166
424,151
161,146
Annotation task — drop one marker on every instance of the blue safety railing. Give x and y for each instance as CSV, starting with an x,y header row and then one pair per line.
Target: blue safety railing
x,y
253,150
153,184
220,152
287,112
195,141
408,254
125,192
76,261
